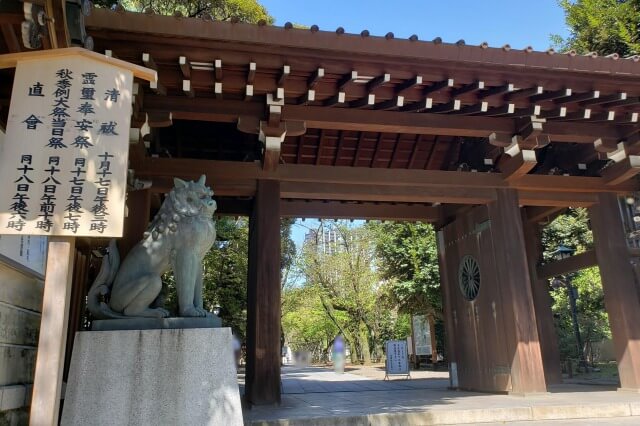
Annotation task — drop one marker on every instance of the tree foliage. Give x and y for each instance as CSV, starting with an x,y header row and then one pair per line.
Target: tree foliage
x,y
222,10
339,265
602,26
408,261
572,230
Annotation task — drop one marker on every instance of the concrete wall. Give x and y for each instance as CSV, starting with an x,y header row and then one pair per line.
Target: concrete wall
x,y
20,306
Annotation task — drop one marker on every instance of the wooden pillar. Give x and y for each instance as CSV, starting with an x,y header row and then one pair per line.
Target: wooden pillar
x,y
620,291
527,373
542,304
445,287
45,404
263,297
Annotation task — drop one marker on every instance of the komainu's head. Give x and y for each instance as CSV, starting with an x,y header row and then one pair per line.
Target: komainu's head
x,y
192,198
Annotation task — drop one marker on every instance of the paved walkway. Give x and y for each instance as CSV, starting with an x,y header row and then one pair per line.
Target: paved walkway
x,y
318,396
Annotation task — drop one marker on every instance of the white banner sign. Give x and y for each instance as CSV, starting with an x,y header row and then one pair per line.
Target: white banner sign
x,y
29,251
397,357
422,334
64,161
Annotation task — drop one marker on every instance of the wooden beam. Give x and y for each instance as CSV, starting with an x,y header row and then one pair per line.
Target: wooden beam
x,y
321,138
605,99
185,67
404,194
187,89
468,88
437,86
551,95
568,265
346,80
10,38
396,150
204,109
578,97
408,84
426,103
339,98
542,214
453,105
339,147
251,74
496,90
396,102
315,78
379,81
148,61
376,150
367,101
356,156
622,171
217,67
284,74
519,165
523,93
368,211
535,190
414,151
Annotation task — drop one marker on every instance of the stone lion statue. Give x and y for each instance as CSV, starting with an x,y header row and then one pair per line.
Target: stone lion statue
x,y
178,238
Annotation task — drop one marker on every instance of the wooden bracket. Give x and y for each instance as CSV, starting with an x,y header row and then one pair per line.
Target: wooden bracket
x,y
621,171
519,165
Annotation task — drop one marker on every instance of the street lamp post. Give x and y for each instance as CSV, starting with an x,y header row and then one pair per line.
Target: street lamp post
x,y
563,252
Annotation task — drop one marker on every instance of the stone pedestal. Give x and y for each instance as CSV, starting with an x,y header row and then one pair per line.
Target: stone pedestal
x,y
152,377
154,323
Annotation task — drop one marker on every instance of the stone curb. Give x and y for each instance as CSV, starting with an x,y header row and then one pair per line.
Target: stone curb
x,y
472,416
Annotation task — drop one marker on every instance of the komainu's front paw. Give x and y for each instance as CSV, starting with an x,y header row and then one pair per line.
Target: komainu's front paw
x,y
192,311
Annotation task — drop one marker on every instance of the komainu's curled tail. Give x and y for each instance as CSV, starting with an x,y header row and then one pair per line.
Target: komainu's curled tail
x,y
101,287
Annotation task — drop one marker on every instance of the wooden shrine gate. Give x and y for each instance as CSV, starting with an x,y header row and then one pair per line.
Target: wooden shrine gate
x,y
485,143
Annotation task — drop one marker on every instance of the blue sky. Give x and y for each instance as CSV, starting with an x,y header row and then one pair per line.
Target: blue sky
x,y
519,23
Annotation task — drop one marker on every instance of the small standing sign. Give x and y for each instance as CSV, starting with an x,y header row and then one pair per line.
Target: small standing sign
x,y
397,363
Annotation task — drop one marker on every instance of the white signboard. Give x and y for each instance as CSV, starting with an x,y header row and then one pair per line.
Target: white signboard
x,y
29,251
421,334
397,357
63,164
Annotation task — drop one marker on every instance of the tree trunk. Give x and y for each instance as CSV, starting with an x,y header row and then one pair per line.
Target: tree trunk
x,y
434,344
363,336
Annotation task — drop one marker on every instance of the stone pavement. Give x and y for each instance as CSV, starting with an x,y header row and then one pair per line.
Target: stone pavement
x,y
317,396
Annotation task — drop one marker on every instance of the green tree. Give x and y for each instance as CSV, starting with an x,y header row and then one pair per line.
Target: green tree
x,y
305,323
221,10
339,265
408,261
572,230
602,26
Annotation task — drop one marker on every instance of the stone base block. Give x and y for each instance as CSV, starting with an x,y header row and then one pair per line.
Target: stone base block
x,y
155,323
153,377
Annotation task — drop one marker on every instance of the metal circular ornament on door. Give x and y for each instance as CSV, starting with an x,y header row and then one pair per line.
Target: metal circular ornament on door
x,y
469,277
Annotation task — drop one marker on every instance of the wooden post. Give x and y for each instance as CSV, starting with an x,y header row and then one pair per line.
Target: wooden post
x,y
542,304
263,297
47,384
527,373
621,297
447,303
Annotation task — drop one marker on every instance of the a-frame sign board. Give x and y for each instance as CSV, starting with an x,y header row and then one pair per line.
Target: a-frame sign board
x,y
64,166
